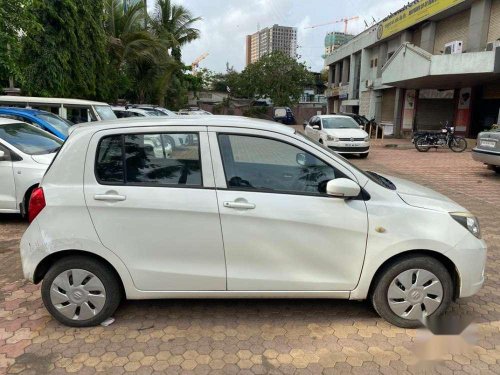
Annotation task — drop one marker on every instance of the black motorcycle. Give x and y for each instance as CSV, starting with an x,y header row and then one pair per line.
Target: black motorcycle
x,y
445,138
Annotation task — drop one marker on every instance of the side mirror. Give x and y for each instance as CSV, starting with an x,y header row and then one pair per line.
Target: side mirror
x,y
315,127
2,155
300,158
342,188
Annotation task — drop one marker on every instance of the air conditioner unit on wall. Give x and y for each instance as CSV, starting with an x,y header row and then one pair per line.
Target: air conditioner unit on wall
x,y
492,45
453,47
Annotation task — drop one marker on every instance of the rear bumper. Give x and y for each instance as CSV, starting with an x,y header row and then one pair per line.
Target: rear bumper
x,y
32,250
487,157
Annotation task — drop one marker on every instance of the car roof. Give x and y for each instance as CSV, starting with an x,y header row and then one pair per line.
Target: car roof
x,y
27,111
7,121
216,120
333,116
42,100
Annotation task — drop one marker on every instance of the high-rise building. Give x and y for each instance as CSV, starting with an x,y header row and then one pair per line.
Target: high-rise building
x,y
334,40
271,39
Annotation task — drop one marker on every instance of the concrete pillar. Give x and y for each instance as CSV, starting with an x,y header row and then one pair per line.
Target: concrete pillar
x,y
376,105
330,74
382,58
337,74
406,36
365,65
345,70
479,22
428,36
352,77
398,110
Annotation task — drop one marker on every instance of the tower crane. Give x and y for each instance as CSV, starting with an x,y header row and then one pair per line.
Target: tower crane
x,y
196,62
345,20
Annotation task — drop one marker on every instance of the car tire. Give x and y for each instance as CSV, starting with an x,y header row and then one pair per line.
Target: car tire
x,y
98,304
363,156
387,282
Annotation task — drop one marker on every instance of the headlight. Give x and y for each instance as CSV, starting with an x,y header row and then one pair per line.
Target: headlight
x,y
332,138
468,221
366,139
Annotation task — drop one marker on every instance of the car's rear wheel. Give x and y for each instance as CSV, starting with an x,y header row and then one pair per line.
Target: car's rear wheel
x,y
80,291
412,289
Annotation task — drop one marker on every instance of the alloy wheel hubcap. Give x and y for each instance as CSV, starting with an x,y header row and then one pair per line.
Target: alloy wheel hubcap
x,y
78,294
414,294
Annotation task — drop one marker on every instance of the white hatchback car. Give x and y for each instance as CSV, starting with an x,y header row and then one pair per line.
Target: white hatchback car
x,y
249,209
25,153
339,133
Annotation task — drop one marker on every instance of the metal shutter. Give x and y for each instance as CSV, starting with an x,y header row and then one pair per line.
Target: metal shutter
x,y
388,104
432,112
452,28
494,30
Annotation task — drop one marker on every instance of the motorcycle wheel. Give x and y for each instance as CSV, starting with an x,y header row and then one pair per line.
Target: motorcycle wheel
x,y
458,144
422,145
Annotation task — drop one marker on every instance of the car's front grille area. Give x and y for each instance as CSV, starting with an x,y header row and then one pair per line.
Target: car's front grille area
x,y
349,149
351,139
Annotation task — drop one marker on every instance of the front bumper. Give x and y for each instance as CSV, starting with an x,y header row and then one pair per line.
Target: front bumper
x,y
486,157
469,257
349,147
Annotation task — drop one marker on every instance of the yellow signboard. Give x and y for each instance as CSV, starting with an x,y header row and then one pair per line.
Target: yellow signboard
x,y
413,14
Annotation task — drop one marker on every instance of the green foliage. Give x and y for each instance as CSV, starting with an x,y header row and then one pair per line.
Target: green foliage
x,y
66,56
276,76
15,19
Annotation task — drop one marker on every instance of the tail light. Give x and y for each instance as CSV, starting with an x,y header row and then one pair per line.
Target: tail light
x,y
37,203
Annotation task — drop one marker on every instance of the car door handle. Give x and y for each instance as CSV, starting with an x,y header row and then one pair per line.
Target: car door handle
x,y
240,205
109,197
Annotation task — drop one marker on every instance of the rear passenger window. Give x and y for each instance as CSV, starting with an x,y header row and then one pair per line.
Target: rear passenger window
x,y
150,159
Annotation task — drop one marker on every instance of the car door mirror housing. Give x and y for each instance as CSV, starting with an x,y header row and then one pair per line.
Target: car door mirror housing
x,y
342,188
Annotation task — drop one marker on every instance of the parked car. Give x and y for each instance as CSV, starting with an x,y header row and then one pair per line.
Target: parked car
x,y
194,111
74,110
160,111
283,115
487,150
44,120
250,209
124,112
25,153
339,133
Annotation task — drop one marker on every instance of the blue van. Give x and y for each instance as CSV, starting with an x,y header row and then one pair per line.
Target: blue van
x,y
41,119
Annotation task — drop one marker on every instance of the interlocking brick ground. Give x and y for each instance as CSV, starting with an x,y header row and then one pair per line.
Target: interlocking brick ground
x,y
260,336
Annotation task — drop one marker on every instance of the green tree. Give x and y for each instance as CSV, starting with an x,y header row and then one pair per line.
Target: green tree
x,y
276,76
14,20
66,56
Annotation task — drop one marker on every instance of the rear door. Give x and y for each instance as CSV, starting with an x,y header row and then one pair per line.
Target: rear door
x,y
156,207
7,185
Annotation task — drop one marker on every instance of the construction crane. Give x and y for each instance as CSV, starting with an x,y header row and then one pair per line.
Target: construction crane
x,y
196,62
345,20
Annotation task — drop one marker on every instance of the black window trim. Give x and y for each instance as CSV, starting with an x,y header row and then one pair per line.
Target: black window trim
x,y
141,184
363,195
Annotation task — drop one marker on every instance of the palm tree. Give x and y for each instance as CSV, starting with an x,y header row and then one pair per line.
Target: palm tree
x,y
172,24
128,40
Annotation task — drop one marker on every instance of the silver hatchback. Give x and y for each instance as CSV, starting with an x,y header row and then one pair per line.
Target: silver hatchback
x,y
487,150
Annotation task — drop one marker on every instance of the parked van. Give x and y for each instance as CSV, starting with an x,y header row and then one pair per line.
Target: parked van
x,y
74,110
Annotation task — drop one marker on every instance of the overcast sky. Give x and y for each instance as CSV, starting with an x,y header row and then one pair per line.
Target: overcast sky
x,y
226,23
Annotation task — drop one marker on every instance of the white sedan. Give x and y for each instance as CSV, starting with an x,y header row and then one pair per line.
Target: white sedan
x,y
339,133
25,154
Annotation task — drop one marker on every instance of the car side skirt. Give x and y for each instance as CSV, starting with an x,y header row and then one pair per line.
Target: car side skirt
x,y
139,294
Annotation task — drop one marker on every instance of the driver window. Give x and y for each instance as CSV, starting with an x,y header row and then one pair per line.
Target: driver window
x,y
269,165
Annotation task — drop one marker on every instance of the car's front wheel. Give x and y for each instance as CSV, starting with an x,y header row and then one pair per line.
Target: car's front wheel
x,y
412,289
80,291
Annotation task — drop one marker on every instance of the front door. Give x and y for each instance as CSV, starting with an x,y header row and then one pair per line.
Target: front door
x,y
155,207
7,185
281,231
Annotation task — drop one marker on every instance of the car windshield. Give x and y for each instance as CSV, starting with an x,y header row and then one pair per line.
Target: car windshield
x,y
372,176
29,139
105,112
339,123
57,122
